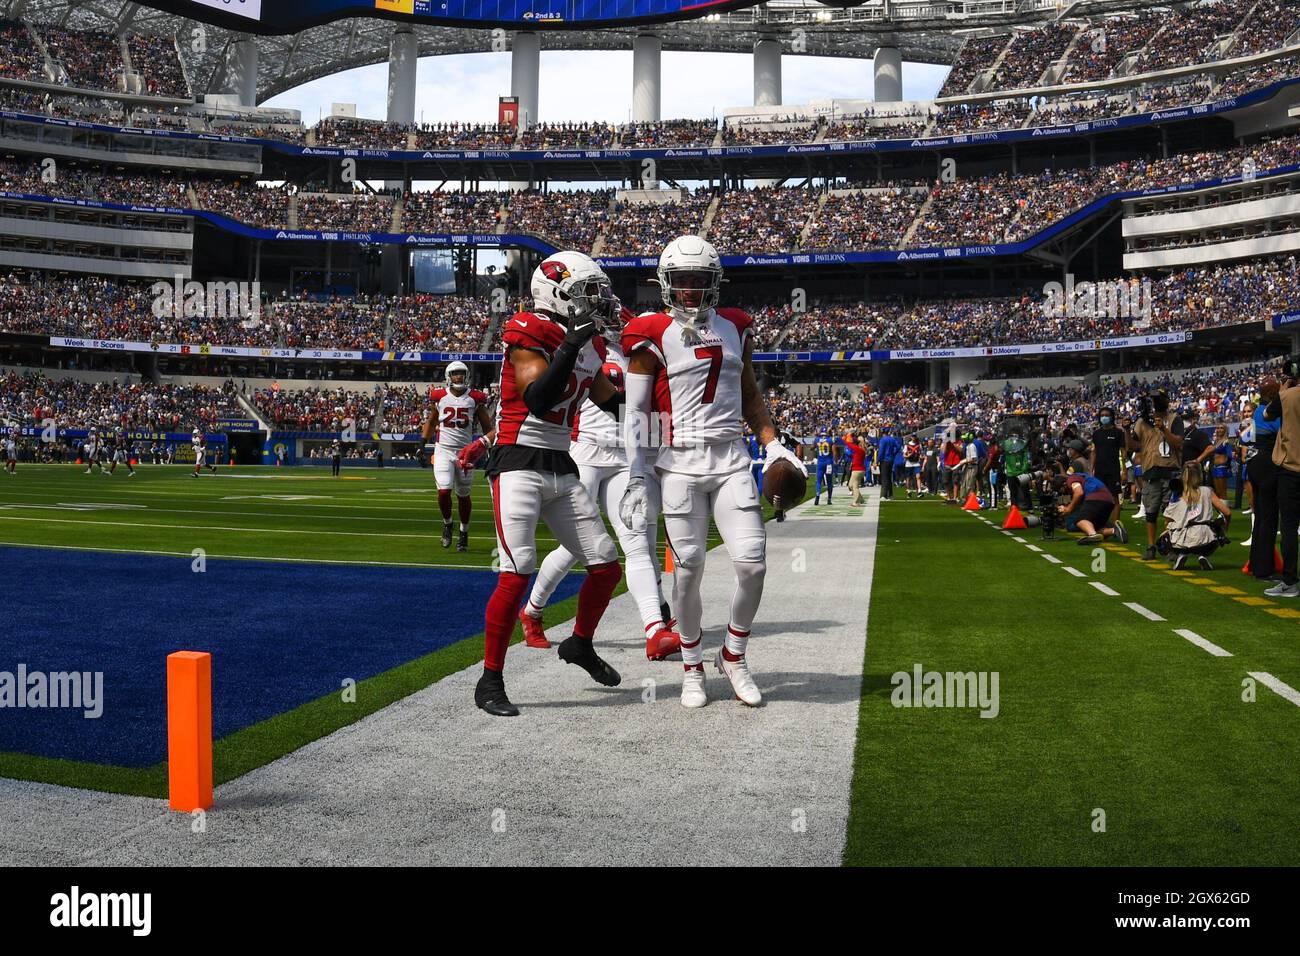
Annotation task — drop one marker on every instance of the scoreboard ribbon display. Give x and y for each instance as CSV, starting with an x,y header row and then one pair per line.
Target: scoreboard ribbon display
x,y
292,16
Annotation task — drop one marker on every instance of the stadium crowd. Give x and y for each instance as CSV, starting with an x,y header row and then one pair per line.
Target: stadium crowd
x,y
32,400
451,212
1193,298
20,57
1218,396
570,218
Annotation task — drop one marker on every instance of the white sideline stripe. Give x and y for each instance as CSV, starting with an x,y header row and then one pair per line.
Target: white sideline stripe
x,y
1145,612
1053,558
204,527
262,557
1018,539
1075,571
1202,643
427,514
1283,690
1035,548
1103,589
1008,534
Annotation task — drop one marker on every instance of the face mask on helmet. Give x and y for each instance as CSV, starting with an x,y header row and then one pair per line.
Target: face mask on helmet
x,y
458,377
692,290
593,297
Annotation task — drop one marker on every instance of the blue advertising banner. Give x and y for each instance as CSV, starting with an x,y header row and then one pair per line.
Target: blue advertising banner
x,y
292,16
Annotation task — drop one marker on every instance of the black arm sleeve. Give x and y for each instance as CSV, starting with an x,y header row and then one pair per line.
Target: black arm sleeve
x,y
611,404
542,394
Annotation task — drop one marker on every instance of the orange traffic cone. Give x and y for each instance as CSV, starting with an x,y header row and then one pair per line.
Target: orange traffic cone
x,y
668,560
972,503
1015,520
1277,563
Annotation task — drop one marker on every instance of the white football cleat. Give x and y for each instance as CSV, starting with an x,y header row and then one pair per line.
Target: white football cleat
x,y
693,694
742,682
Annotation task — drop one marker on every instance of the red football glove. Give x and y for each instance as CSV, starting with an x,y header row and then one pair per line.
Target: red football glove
x,y
470,455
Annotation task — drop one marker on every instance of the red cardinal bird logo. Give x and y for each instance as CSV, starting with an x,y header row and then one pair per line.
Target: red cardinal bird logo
x,y
555,270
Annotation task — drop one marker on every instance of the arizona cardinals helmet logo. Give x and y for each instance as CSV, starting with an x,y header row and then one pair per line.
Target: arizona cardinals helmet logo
x,y
555,270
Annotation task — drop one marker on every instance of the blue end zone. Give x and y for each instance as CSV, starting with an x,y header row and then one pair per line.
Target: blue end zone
x,y
280,634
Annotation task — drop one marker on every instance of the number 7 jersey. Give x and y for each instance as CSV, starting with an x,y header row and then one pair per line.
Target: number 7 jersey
x,y
516,425
697,388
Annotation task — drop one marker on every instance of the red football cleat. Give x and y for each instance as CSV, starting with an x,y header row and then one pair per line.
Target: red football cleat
x,y
534,630
663,644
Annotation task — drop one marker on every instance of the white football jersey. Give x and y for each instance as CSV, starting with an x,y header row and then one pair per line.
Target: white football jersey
x,y
594,425
456,415
697,389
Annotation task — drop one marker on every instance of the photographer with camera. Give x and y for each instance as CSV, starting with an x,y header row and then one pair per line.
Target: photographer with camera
x,y
1157,437
1092,505
1285,408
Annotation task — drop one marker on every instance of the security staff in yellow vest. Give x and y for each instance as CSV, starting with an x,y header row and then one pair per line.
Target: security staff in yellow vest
x,y
1286,456
1159,447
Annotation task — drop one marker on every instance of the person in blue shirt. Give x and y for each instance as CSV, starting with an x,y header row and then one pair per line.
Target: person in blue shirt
x,y
888,452
825,448
1263,481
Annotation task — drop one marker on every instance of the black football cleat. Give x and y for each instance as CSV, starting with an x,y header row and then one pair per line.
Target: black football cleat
x,y
575,650
490,695
666,612
462,541
446,534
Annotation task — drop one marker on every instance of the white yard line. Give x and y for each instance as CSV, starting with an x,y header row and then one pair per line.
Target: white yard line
x,y
1283,690
1147,613
1202,643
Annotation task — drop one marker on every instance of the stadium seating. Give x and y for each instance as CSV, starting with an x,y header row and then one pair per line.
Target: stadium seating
x,y
32,400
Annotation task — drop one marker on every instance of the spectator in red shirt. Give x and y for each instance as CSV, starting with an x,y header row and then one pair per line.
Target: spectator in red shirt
x,y
952,457
857,468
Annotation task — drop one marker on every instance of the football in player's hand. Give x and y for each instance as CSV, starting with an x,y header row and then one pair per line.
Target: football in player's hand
x,y
784,484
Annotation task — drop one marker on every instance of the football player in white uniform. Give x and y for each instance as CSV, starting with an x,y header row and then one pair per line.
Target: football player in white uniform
x,y
597,447
552,362
11,450
200,444
93,451
456,408
692,363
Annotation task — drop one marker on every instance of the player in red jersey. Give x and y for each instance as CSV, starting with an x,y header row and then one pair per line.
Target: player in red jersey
x,y
455,409
597,448
552,363
691,367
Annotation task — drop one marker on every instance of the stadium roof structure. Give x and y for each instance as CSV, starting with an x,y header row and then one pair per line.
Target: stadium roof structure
x,y
924,31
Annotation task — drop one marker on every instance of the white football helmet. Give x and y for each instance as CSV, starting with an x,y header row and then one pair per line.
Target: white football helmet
x,y
570,285
690,278
458,368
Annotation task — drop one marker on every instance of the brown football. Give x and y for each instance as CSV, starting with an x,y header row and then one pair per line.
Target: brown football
x,y
784,484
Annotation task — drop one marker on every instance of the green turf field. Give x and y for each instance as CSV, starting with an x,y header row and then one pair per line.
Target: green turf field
x,y
366,515
1101,709
298,514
